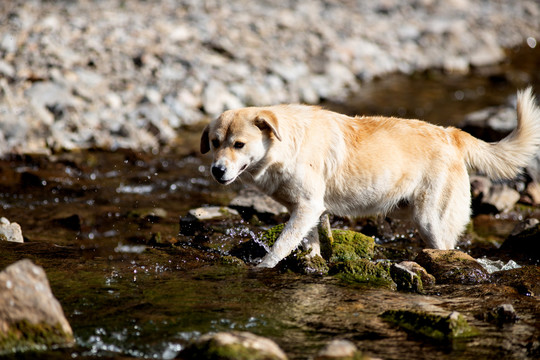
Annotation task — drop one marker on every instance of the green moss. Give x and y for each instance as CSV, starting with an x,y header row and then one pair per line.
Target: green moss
x,y
270,236
24,336
351,245
438,327
364,272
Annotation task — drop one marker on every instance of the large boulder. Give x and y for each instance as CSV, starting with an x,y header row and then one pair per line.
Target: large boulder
x,y
30,316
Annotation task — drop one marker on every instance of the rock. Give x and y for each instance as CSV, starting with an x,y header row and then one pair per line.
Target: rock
x,y
364,272
249,199
212,213
10,231
406,279
489,198
452,267
30,317
351,246
233,346
502,314
434,325
339,350
523,241
526,279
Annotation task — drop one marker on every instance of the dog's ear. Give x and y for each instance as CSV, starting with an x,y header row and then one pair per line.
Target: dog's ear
x,y
267,120
205,140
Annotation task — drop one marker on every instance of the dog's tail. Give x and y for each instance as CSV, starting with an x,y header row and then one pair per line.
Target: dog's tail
x,y
506,158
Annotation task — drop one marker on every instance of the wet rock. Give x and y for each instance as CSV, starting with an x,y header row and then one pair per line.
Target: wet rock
x,y
523,241
30,317
434,325
526,279
502,314
364,272
489,198
350,246
339,350
233,346
253,201
212,213
452,267
409,276
10,231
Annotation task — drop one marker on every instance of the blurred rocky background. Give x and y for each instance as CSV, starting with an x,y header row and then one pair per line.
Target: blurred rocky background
x,y
128,74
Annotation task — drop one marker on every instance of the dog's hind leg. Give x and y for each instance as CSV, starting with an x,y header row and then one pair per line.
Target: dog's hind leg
x,y
442,213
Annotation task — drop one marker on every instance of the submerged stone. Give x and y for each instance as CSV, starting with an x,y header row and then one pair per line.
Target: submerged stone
x,y
432,325
233,346
452,267
30,316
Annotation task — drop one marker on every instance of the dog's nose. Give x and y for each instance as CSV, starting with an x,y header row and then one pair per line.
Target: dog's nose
x,y
218,171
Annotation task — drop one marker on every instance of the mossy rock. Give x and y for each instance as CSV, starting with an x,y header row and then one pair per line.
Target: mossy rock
x,y
406,280
350,246
25,336
364,272
440,327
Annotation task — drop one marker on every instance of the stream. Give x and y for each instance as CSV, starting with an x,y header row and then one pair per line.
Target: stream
x,y
105,227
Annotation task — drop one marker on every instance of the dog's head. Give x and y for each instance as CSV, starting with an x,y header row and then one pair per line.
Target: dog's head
x,y
239,140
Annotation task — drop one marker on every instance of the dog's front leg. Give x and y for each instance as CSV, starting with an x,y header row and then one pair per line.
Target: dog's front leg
x,y
302,220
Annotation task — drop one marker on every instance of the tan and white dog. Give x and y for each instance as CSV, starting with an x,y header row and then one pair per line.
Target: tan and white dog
x,y
313,160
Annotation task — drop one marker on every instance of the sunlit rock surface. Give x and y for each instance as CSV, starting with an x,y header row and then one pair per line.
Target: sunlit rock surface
x,y
30,316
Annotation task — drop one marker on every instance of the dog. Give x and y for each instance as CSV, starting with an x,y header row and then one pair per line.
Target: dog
x,y
314,161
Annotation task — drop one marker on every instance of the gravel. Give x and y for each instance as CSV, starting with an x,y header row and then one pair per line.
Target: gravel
x,y
128,74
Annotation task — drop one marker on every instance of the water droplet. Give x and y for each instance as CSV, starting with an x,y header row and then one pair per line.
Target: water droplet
x,y
531,42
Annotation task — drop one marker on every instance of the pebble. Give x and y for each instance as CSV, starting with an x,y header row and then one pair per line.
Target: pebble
x,y
10,231
88,81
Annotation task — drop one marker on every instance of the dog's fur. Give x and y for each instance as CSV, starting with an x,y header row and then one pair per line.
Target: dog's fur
x,y
313,160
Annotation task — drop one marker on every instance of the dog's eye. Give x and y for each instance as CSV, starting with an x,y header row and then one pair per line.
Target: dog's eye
x,y
239,145
215,143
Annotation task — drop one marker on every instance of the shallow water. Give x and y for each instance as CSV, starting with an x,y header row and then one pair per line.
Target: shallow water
x,y
105,228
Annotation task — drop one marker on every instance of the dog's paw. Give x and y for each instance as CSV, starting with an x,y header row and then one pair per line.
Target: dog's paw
x,y
269,261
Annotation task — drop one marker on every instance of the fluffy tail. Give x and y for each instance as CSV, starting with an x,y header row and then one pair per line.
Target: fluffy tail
x,y
506,158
